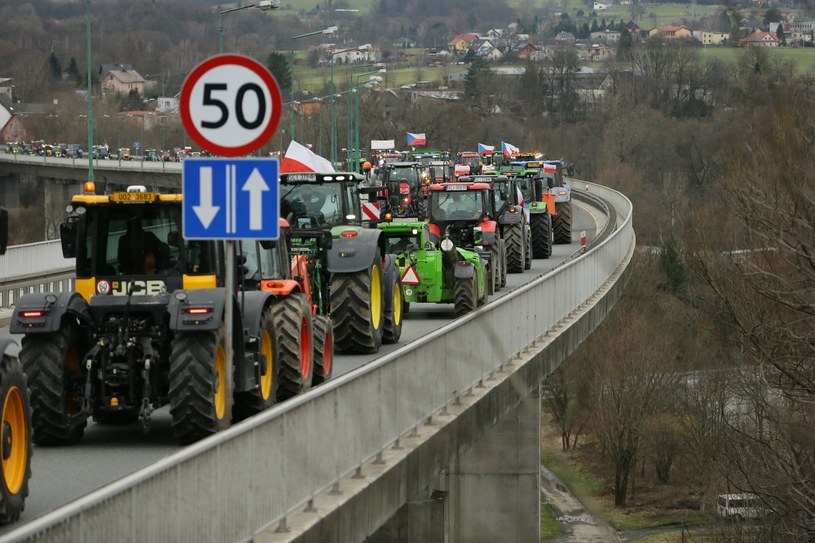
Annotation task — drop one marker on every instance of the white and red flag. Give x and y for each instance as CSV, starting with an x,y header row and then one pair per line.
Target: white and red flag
x,y
299,158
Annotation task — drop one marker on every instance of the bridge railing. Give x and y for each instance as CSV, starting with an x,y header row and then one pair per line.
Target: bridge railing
x,y
249,478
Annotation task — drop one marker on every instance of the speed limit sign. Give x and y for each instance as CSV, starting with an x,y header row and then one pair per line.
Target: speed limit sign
x,y
230,105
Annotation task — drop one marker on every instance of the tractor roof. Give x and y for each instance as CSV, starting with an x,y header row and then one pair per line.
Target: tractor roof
x,y
317,178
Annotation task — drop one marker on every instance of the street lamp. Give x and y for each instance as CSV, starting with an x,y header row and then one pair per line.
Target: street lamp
x,y
329,30
358,150
333,134
90,89
263,5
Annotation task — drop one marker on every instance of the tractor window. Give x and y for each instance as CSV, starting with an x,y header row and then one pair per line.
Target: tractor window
x,y
527,186
271,265
399,244
463,205
312,205
200,257
408,175
250,272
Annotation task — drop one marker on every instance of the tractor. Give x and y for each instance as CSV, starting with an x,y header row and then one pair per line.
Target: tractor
x,y
562,192
465,213
437,274
405,179
15,468
147,325
512,219
539,203
352,278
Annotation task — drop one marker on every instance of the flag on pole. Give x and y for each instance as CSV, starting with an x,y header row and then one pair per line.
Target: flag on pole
x,y
508,149
299,158
485,149
415,140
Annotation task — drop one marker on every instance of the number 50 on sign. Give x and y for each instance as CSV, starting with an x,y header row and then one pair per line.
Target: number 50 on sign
x,y
230,105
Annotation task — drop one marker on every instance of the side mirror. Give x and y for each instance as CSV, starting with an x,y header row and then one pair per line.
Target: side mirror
x,y
67,234
267,244
412,247
3,230
173,239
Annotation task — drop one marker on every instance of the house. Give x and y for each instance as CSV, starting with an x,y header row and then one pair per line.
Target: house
x,y
600,52
565,38
461,43
711,38
404,43
605,36
167,104
7,87
598,6
759,39
120,79
670,33
525,50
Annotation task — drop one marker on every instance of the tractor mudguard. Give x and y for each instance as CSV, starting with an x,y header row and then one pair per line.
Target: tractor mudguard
x,y
464,271
354,254
512,218
210,303
252,304
67,303
5,343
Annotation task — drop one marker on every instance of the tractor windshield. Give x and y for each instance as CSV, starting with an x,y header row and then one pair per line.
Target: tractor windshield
x,y
137,240
405,175
456,205
501,195
527,186
310,205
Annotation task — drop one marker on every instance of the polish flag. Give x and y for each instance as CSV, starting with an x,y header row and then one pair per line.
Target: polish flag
x,y
299,158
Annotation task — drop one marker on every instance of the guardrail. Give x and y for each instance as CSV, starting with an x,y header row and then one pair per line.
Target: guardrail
x,y
101,164
249,478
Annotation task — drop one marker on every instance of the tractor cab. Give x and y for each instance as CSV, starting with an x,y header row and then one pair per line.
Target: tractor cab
x,y
311,201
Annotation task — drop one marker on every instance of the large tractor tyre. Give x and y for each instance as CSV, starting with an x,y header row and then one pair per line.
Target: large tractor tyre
x,y
465,295
421,207
392,327
292,316
502,250
200,391
495,262
16,439
357,310
528,251
267,372
53,365
541,235
562,222
515,250
323,349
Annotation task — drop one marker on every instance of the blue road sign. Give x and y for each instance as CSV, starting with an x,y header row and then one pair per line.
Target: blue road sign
x,y
230,198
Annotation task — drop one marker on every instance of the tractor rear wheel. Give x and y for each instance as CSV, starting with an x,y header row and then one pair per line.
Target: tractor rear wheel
x,y
541,235
53,365
465,296
392,327
528,251
323,349
515,249
200,391
357,310
292,316
496,261
502,250
562,222
267,372
16,439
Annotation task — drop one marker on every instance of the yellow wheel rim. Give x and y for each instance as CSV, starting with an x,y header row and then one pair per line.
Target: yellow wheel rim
x,y
266,377
220,382
397,304
376,297
15,441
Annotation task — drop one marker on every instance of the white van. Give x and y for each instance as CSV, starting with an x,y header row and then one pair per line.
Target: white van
x,y
739,506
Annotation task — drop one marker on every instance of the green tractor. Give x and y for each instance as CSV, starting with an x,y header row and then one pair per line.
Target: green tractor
x,y
353,279
443,274
539,203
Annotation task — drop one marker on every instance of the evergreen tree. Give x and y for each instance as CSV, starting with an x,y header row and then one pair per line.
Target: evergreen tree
x,y
624,47
473,81
782,38
55,66
73,70
278,64
594,27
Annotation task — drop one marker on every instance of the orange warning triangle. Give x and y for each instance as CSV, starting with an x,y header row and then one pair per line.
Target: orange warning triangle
x,y
410,277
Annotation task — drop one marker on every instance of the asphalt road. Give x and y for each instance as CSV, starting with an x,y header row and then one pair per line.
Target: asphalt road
x,y
107,453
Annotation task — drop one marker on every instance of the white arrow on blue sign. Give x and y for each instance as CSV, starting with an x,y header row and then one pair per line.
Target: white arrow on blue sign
x,y
230,198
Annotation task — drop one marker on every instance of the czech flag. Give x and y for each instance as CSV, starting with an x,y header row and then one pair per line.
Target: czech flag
x,y
415,140
485,149
508,149
299,158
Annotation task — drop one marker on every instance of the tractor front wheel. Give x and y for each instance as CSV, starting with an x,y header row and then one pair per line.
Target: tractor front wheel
x,y
293,319
357,310
267,372
392,327
541,235
323,349
515,249
465,295
562,222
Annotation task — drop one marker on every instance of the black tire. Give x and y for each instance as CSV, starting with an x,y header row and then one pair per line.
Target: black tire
x,y
292,317
490,278
562,222
515,249
421,207
405,306
16,439
465,295
323,349
392,327
541,235
357,310
53,365
528,252
200,395
495,261
502,250
267,372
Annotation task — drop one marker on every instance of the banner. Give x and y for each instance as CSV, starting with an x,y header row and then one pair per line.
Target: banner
x,y
383,145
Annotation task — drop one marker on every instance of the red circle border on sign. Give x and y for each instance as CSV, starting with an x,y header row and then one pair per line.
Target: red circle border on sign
x,y
254,66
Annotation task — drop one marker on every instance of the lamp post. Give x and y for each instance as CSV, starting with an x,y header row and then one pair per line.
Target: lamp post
x,y
332,91
263,5
329,30
90,89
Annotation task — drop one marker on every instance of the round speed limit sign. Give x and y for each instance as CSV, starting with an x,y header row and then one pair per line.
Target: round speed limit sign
x,y
230,105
